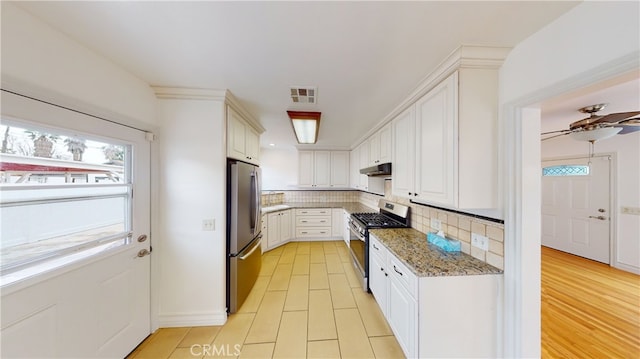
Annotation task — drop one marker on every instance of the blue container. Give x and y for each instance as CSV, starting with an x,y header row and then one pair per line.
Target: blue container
x,y
448,245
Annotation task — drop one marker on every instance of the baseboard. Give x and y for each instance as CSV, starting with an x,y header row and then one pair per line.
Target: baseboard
x,y
168,320
626,267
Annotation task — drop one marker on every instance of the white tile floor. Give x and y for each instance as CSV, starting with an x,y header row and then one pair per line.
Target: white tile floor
x,y
307,303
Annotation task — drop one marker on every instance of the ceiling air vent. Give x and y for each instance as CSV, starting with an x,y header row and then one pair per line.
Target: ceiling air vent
x,y
304,94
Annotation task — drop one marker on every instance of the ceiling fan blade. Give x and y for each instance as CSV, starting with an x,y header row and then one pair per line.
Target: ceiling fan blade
x,y
628,129
562,134
615,117
548,133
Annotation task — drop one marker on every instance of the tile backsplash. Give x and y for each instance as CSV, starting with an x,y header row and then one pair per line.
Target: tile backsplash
x,y
454,225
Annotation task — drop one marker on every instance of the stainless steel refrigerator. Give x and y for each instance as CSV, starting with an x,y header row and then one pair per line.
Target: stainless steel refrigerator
x,y
244,223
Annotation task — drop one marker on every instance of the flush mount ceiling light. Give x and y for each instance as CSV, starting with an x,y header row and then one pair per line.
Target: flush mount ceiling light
x,y
305,125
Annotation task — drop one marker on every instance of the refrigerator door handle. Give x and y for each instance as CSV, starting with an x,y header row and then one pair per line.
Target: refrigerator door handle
x,y
255,201
257,245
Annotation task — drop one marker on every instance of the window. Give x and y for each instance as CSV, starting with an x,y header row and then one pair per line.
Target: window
x,y
566,170
60,193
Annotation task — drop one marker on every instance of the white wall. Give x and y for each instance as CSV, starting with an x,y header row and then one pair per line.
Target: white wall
x,y
279,168
40,61
552,60
193,187
627,150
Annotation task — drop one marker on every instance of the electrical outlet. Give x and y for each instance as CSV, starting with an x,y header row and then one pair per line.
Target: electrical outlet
x,y
436,224
630,210
480,241
208,224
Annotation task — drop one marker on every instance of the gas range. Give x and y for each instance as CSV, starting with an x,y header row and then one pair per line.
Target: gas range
x,y
390,215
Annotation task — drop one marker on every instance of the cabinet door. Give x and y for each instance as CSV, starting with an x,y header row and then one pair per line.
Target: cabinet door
x,y
322,167
364,163
339,169
374,149
403,130
305,168
354,166
273,229
285,226
236,147
345,227
252,145
385,144
336,222
378,281
436,144
402,317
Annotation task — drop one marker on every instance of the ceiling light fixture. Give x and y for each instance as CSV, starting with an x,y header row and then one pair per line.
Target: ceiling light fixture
x,y
305,126
595,134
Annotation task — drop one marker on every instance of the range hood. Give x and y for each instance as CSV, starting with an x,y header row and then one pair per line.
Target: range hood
x,y
383,169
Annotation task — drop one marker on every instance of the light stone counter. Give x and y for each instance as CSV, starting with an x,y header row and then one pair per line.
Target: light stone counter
x,y
426,260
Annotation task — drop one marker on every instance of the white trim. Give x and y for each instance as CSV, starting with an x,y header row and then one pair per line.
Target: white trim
x,y
512,171
192,319
182,93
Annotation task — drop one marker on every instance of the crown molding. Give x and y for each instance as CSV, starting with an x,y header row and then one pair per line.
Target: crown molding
x,y
463,57
184,93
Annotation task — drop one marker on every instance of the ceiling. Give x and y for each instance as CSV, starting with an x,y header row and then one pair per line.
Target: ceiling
x,y
622,94
364,57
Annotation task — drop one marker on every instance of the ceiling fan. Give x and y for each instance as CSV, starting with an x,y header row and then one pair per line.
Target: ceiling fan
x,y
597,127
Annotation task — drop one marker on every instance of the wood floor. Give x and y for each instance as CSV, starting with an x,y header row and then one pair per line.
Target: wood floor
x,y
307,303
589,310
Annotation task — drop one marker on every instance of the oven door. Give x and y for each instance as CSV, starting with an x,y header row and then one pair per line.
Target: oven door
x,y
359,252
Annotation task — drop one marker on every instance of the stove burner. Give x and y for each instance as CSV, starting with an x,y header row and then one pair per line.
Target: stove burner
x,y
371,220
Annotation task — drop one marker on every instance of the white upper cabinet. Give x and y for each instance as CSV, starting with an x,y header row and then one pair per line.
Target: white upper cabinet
x,y
450,143
445,142
243,141
364,163
323,169
354,168
404,139
339,169
436,144
380,146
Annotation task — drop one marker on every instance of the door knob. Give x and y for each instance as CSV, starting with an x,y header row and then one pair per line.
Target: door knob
x,y
142,238
602,218
142,253
601,210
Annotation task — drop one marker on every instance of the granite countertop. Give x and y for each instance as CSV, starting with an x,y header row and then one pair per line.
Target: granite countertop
x,y
426,260
350,207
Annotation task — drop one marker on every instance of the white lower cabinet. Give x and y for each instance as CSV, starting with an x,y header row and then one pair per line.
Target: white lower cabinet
x,y
346,235
435,317
278,228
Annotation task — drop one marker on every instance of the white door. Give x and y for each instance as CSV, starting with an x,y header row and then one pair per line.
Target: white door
x,y
576,201
95,300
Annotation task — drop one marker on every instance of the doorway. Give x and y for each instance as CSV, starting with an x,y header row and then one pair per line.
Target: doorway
x,y
576,206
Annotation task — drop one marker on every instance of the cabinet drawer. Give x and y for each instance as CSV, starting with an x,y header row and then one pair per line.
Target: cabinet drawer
x,y
376,248
313,212
401,274
313,221
302,232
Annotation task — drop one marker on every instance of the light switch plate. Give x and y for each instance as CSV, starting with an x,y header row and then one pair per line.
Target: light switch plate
x,y
480,241
436,224
208,224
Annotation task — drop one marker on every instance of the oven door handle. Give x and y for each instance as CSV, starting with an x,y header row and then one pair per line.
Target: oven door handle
x,y
354,230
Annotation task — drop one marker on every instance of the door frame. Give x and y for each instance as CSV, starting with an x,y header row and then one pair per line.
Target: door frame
x,y
71,103
519,153
613,198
